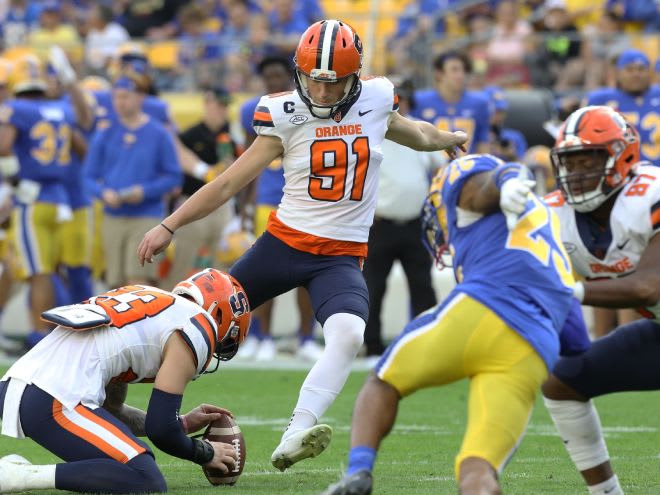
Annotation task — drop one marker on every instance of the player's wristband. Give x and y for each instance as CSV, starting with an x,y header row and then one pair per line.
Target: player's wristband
x,y
505,172
578,291
200,170
167,228
203,452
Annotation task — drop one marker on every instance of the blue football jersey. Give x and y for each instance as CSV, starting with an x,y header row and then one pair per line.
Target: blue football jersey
x,y
470,114
270,182
642,111
523,275
43,144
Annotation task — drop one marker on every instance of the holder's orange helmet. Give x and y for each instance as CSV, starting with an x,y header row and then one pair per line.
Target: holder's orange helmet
x,y
225,300
611,139
328,51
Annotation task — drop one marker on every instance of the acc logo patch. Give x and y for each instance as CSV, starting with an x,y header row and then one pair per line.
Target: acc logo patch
x,y
298,119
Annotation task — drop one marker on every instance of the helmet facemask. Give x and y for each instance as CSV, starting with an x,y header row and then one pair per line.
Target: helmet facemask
x,y
351,90
587,189
433,232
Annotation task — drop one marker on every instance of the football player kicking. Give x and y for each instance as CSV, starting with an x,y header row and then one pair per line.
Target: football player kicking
x,y
499,327
329,134
609,206
67,393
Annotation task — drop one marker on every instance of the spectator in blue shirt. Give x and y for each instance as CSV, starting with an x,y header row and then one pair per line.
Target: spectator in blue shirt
x,y
506,143
132,167
286,25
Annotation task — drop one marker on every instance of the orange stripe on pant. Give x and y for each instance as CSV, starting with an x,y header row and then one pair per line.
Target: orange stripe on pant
x,y
91,438
83,411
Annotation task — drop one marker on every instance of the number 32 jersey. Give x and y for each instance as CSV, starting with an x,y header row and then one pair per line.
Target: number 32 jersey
x,y
613,253
330,168
75,366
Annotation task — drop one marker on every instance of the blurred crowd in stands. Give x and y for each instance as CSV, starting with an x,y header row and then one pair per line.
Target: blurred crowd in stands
x,y
558,44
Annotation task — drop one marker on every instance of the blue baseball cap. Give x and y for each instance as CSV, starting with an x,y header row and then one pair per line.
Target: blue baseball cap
x,y
632,56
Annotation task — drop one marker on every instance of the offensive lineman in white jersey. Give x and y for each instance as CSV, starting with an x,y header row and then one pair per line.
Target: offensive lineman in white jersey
x,y
609,207
67,393
329,134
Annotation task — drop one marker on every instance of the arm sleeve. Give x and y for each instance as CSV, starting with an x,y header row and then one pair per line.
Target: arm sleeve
x,y
169,171
163,427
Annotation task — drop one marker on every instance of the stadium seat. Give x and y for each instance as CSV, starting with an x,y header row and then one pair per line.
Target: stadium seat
x,y
164,54
528,110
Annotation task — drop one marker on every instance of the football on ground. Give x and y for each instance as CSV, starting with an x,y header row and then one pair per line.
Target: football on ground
x,y
226,430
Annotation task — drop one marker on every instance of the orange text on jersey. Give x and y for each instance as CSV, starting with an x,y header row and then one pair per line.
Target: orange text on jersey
x,y
619,267
339,130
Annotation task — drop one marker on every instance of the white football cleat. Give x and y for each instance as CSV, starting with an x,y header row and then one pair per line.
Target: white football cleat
x,y
248,348
310,351
301,445
267,350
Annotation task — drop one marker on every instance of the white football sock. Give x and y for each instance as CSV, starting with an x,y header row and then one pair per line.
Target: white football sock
x,y
578,425
608,487
344,334
21,477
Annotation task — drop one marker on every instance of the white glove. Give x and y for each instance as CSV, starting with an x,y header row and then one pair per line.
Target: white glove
x,y
62,66
513,197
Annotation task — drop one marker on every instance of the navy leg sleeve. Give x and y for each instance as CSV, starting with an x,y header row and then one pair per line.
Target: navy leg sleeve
x,y
139,475
623,361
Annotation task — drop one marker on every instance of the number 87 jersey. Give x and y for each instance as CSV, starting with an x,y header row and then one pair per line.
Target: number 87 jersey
x,y
330,164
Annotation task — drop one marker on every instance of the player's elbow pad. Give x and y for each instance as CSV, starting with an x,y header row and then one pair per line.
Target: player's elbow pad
x,y
163,428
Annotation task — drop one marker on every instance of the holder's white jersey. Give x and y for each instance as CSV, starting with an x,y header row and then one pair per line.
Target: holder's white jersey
x,y
75,366
330,165
634,220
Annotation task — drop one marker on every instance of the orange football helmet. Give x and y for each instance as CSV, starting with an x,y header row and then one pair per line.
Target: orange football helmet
x,y
604,136
225,300
328,51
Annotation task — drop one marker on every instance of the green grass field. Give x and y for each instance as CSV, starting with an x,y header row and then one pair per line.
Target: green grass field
x,y
418,456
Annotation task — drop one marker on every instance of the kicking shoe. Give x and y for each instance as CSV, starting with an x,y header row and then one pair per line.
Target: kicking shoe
x,y
360,483
310,351
267,350
301,445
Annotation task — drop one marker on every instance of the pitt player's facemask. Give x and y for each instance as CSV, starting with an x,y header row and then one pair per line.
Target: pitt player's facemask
x,y
329,51
434,222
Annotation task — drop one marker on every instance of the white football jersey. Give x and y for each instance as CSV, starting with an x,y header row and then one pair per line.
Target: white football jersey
x,y
330,167
75,366
634,220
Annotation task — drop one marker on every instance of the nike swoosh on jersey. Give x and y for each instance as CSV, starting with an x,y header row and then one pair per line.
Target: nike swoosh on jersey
x,y
361,113
623,244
